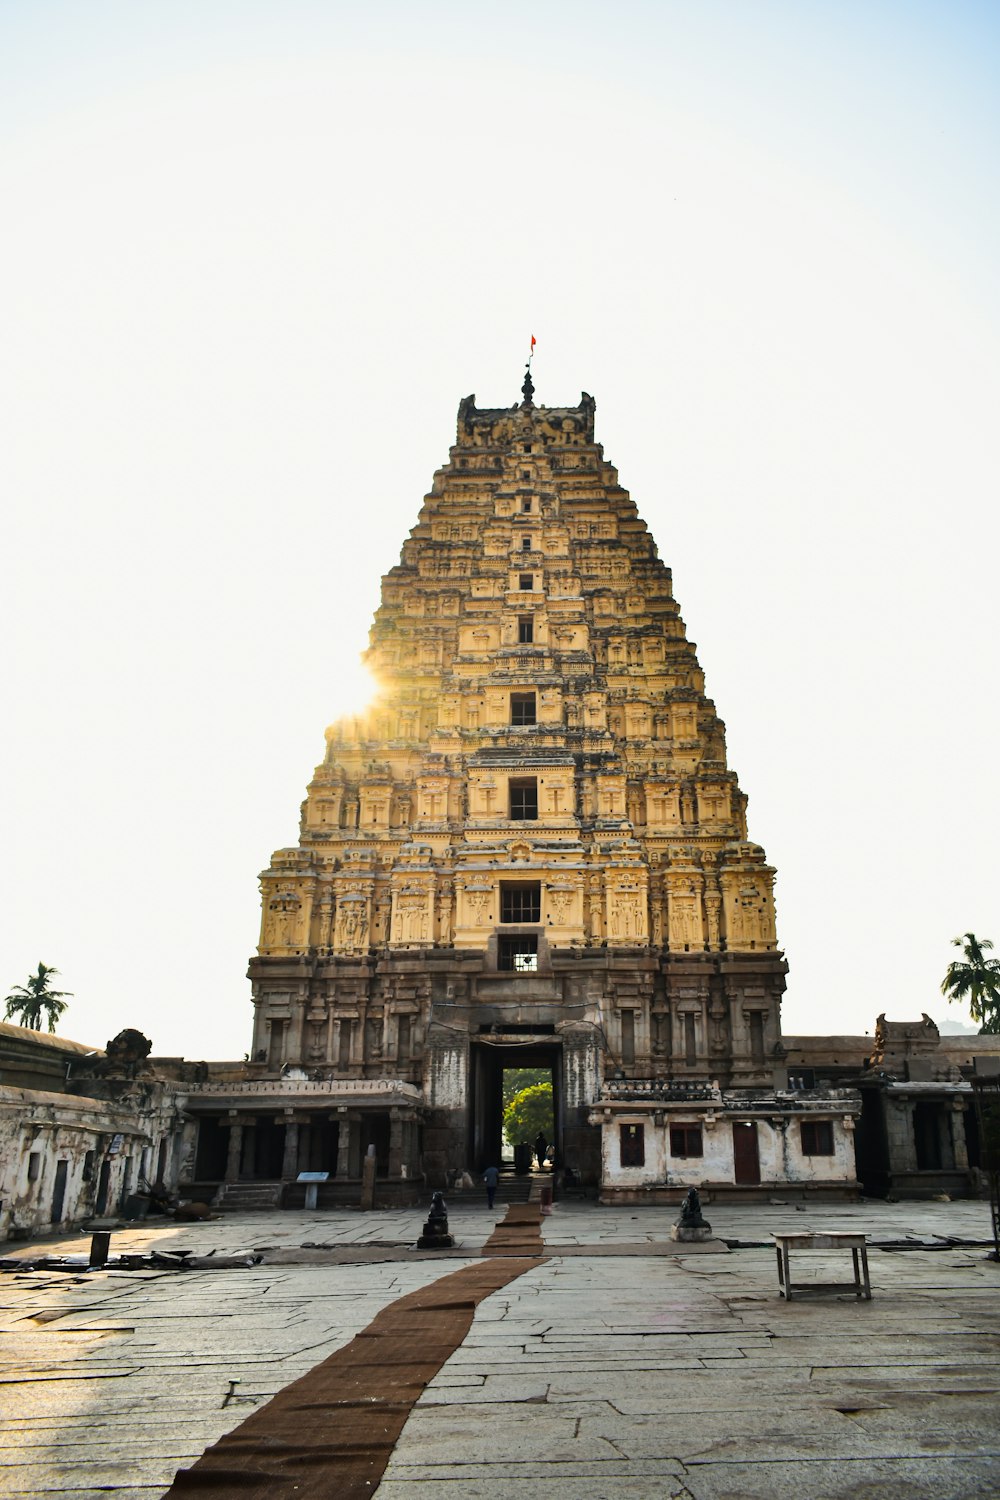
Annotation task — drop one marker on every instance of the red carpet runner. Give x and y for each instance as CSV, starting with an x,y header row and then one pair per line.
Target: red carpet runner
x,y
332,1431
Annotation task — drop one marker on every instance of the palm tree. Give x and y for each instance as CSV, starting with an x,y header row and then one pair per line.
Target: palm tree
x,y
34,1000
977,980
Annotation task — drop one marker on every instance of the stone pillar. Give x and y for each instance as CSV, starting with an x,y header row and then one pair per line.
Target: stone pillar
x,y
958,1136
899,1130
395,1142
581,1078
235,1148
290,1159
946,1137
343,1146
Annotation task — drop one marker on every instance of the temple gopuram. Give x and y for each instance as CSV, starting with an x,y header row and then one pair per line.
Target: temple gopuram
x,y
530,849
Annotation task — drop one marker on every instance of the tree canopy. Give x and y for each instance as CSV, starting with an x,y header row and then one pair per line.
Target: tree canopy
x,y
976,981
529,1112
35,1000
516,1079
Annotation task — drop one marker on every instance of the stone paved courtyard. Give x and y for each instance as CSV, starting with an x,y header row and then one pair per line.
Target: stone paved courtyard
x,y
616,1368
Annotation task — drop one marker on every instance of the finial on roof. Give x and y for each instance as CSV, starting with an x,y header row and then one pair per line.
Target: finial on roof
x,y
528,388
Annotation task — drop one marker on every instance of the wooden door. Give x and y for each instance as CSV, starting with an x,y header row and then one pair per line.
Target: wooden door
x,y
746,1158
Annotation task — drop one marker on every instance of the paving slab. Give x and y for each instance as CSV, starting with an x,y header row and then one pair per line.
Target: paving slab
x,y
620,1366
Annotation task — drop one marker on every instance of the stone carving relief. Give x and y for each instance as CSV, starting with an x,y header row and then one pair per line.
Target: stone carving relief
x,y
684,921
284,912
352,923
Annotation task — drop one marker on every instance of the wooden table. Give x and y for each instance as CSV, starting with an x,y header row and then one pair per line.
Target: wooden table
x,y
860,1286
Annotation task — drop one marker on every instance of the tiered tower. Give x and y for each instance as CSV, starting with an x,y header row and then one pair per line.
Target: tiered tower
x,y
530,847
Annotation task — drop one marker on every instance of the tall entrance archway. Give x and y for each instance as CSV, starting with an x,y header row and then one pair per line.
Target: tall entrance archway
x,y
488,1059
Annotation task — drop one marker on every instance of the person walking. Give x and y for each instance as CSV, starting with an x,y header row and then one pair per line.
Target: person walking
x,y
491,1177
541,1146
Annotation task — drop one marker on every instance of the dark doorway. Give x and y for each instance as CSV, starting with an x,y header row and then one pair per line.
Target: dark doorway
x,y
318,1142
746,1157
375,1132
103,1182
59,1190
929,1126
213,1149
489,1063
264,1151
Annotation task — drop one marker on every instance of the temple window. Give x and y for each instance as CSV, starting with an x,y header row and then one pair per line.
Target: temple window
x,y
521,902
757,1036
518,955
403,1038
276,1044
526,544
526,630
817,1137
522,711
685,1140
628,1037
526,582
524,798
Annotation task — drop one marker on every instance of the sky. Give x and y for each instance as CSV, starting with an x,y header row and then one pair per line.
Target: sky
x,y
253,255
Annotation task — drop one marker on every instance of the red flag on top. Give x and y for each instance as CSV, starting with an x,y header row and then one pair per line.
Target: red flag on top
x,y
533,341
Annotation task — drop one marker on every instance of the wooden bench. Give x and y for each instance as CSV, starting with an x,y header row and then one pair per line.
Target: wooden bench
x,y
860,1286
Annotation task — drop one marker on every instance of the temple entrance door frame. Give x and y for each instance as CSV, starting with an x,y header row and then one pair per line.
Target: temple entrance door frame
x,y
487,1063
746,1156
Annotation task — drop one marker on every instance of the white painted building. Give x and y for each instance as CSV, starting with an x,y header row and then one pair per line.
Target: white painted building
x,y
659,1140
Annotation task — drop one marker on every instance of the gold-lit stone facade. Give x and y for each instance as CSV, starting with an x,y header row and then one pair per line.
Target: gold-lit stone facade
x,y
532,833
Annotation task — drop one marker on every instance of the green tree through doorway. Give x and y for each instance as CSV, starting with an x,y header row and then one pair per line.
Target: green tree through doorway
x,y
516,1079
529,1112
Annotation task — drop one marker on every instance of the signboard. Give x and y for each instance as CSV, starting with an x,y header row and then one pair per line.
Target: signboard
x,y
313,1177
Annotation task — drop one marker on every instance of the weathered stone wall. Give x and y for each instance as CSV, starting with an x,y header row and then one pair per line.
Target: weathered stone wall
x,y
65,1158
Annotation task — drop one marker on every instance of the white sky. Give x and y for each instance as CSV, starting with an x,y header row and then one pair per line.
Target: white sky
x,y
253,255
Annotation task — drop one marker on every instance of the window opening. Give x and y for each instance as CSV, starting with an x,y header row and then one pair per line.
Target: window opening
x,y
690,1041
526,505
526,582
403,1038
522,709
685,1140
518,955
757,1036
521,903
817,1137
344,1054
525,630
524,799
276,1044
628,1036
